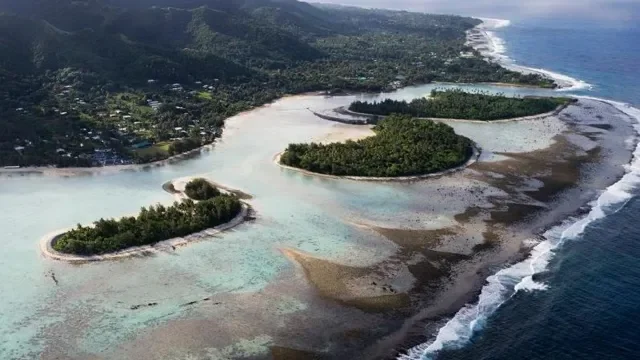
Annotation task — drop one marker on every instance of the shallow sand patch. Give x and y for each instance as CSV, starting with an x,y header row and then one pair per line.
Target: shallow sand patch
x,y
368,289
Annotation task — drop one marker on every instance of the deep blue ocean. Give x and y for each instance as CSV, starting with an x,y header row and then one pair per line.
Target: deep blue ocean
x,y
589,307
608,59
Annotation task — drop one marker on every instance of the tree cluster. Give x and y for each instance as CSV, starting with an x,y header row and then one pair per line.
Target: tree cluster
x,y
157,223
402,146
457,104
200,189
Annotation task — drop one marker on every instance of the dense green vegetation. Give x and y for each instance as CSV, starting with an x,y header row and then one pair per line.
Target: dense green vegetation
x,y
457,104
155,224
402,146
200,189
120,77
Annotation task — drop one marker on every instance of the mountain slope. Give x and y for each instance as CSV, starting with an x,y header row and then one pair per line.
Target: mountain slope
x,y
119,76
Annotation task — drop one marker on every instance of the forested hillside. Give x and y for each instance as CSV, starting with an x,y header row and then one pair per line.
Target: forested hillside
x,y
103,82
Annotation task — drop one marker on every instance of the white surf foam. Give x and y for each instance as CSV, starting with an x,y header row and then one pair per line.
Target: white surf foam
x,y
496,50
519,277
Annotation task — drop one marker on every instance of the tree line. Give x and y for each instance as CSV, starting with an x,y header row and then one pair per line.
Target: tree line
x,y
457,104
402,146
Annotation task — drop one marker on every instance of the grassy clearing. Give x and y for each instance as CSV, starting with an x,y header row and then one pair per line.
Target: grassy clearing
x,y
204,95
161,148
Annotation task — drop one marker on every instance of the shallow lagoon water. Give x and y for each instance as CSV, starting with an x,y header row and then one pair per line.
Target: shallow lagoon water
x,y
293,210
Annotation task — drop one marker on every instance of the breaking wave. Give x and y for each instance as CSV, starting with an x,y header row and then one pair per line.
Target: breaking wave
x,y
503,285
496,49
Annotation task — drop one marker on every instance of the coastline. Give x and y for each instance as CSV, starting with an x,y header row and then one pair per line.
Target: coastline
x,y
492,48
95,170
519,273
77,171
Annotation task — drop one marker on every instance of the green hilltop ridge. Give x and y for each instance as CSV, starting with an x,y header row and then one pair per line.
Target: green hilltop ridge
x,y
457,104
153,224
402,146
106,82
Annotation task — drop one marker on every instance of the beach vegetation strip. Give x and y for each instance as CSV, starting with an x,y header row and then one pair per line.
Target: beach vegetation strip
x,y
154,224
457,104
402,146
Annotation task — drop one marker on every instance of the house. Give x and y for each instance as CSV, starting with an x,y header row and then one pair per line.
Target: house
x,y
395,84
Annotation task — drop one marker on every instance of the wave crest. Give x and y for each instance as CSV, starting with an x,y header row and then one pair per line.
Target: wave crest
x,y
496,50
